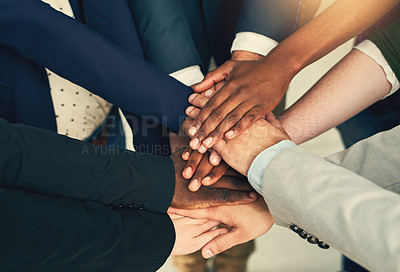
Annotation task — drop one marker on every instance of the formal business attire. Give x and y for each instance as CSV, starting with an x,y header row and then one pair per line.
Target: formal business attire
x,y
72,206
349,201
99,51
337,201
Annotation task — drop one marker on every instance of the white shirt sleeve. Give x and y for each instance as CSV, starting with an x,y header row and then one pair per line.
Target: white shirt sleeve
x,y
253,42
189,75
371,50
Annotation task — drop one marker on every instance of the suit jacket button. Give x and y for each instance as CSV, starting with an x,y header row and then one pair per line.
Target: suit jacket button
x,y
302,233
313,240
294,228
323,245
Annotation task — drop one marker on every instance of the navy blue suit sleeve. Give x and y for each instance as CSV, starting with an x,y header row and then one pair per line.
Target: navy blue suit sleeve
x,y
43,162
83,56
165,33
274,19
44,233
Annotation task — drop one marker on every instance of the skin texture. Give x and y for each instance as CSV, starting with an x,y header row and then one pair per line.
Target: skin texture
x,y
254,88
230,190
240,152
352,85
237,218
192,234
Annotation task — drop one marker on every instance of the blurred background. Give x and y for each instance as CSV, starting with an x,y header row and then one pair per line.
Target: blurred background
x,y
281,250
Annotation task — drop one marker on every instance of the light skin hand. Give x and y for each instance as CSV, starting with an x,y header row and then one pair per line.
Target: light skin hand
x,y
240,152
229,190
247,222
192,234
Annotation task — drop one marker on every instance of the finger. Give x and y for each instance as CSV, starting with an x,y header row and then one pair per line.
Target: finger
x,y
198,100
221,148
230,120
203,169
209,93
219,197
196,214
192,112
214,77
175,216
221,243
215,158
215,174
186,154
247,121
270,117
209,107
208,236
192,164
239,183
216,117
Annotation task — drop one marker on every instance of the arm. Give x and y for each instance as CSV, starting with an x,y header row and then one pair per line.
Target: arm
x,y
258,86
352,85
332,203
43,233
116,74
359,80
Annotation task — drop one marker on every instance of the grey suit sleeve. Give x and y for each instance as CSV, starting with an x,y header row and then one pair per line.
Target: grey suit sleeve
x,y
340,207
372,157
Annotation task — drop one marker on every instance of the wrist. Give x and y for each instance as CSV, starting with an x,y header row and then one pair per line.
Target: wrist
x,y
242,55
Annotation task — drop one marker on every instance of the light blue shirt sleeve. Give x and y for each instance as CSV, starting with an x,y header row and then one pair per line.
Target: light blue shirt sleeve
x,y
261,162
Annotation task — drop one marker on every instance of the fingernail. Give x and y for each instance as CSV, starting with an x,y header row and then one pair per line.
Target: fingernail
x,y
208,142
185,156
208,254
253,195
189,109
187,173
206,180
202,149
230,134
225,231
209,93
215,160
194,185
194,143
192,130
192,97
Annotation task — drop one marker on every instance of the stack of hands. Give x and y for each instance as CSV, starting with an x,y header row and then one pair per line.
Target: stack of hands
x,y
214,206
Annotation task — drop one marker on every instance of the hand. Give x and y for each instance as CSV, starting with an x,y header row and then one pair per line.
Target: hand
x,y
229,190
247,222
240,152
192,234
200,168
252,90
242,55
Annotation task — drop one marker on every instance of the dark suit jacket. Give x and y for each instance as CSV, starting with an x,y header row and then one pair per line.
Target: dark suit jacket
x,y
70,206
180,33
104,56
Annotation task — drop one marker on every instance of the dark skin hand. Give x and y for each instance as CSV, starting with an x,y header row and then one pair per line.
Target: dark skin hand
x,y
231,189
239,103
200,168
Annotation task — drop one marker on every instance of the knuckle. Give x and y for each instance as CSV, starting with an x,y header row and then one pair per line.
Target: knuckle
x,y
217,115
210,105
251,116
233,117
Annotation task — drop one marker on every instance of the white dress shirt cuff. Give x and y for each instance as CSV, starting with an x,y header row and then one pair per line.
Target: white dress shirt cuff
x,y
253,42
261,162
371,50
189,75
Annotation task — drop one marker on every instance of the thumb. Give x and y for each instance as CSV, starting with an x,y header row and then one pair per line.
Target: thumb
x,y
214,77
221,244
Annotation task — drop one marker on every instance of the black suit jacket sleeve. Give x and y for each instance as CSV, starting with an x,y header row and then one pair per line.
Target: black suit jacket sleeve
x,y
62,44
43,162
43,233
